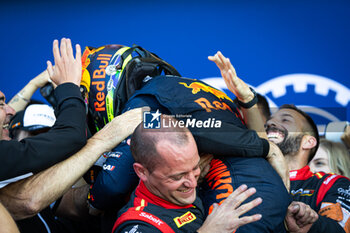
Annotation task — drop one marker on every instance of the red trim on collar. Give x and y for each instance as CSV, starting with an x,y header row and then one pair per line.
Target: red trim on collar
x,y
301,174
151,219
325,186
142,192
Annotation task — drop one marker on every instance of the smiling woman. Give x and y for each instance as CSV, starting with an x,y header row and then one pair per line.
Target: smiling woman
x,y
331,157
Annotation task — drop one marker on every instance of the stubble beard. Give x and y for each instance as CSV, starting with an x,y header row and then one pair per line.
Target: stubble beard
x,y
291,145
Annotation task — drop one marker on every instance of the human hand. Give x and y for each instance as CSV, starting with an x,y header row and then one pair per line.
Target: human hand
x,y
41,79
67,68
225,218
300,217
236,85
204,165
120,128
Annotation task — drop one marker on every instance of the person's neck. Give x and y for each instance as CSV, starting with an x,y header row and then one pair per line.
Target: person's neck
x,y
295,162
144,191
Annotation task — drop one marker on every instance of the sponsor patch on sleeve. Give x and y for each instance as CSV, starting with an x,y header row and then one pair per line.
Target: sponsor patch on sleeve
x,y
331,210
338,213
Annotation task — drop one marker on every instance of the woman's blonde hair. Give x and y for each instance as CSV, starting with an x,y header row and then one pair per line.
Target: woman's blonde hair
x,y
338,156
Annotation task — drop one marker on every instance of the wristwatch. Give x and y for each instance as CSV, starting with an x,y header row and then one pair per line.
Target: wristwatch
x,y
250,103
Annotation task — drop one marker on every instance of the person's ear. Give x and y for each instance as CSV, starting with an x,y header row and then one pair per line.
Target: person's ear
x,y
141,171
308,142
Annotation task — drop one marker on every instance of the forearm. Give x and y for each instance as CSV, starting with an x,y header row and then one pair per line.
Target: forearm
x,y
37,192
254,120
21,99
74,204
6,222
65,138
28,197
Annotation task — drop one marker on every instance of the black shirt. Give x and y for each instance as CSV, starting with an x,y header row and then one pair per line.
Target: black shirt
x,y
67,136
327,194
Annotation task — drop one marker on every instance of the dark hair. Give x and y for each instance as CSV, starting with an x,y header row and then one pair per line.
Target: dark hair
x,y
144,142
263,106
310,127
34,101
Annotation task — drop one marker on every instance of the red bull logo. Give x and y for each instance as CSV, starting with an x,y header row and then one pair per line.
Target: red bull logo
x,y
198,86
85,61
219,179
216,105
98,82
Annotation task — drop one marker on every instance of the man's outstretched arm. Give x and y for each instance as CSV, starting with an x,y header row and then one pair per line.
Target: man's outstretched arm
x,y
22,98
68,134
252,114
28,197
242,91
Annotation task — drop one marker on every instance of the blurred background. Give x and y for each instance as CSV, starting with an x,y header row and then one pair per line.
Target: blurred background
x,y
291,51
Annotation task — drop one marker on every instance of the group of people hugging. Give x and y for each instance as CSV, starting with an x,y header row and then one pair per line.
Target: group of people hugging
x,y
127,144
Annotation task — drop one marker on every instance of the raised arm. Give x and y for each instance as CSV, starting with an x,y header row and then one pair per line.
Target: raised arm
x,y
21,99
251,115
67,136
242,91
